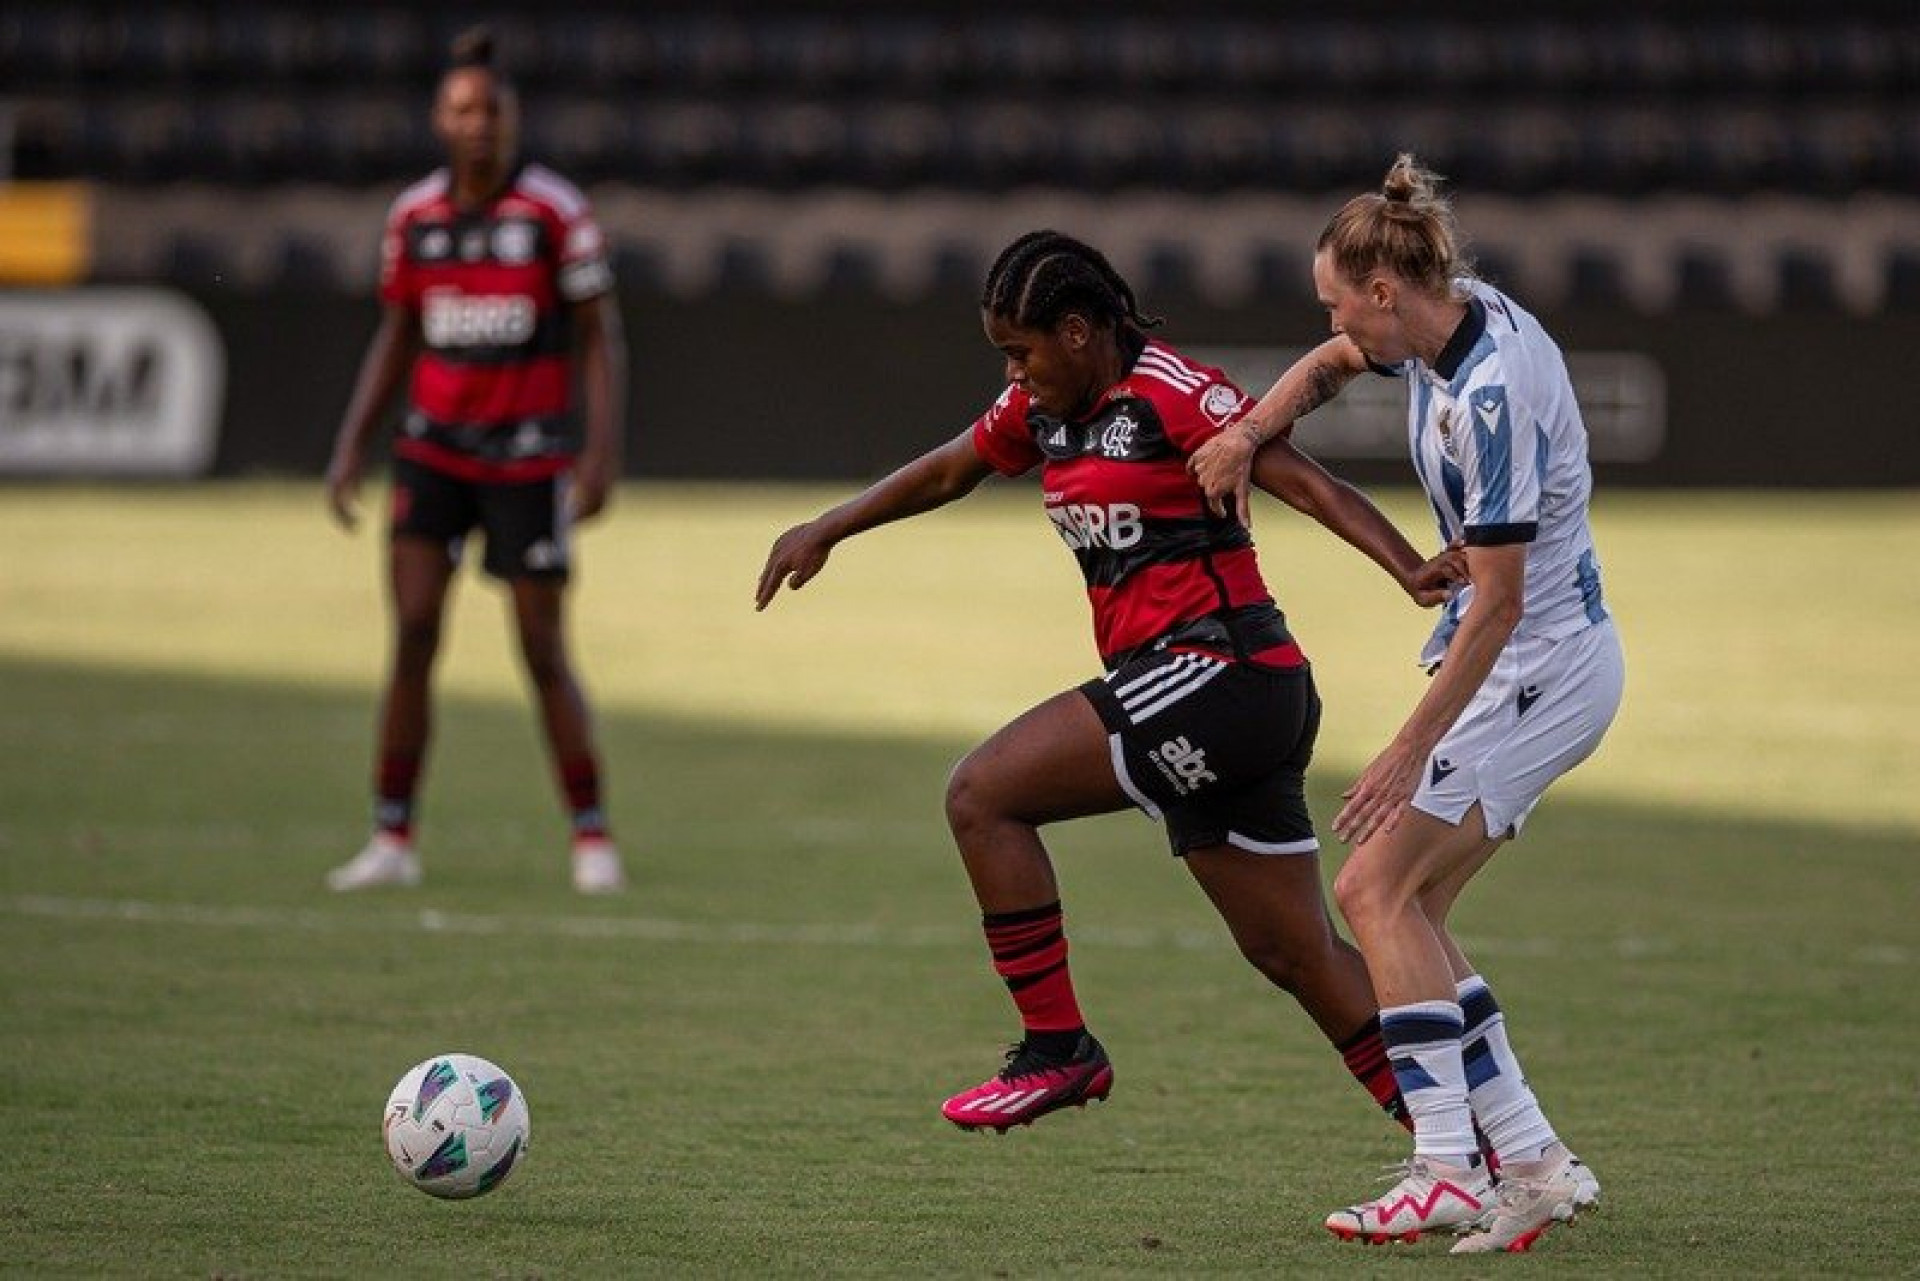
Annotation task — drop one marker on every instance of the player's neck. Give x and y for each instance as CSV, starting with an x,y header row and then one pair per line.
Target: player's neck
x,y
477,185
1431,324
1111,369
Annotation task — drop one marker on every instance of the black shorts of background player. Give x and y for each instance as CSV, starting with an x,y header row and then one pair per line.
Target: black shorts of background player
x,y
1206,715
497,299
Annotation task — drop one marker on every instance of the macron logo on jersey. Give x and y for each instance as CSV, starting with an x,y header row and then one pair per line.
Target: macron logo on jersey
x,y
1489,406
1489,410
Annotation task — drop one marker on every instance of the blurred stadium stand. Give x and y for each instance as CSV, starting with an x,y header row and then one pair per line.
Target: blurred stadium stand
x,y
1648,156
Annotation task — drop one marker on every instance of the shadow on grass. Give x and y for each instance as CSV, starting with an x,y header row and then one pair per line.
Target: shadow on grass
x,y
121,780
1679,975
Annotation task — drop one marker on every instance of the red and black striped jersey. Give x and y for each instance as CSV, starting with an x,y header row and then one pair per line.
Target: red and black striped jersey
x,y
491,289
1157,562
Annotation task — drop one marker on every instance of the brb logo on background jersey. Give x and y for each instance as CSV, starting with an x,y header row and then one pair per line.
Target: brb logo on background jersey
x,y
450,318
1085,526
1184,764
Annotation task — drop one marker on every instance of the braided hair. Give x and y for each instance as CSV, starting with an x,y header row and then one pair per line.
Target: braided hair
x,y
1044,275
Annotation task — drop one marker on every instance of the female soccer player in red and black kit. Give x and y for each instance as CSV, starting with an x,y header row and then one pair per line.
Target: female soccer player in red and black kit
x,y
1207,714
496,294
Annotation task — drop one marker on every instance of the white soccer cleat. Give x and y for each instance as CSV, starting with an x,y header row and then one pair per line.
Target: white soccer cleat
x,y
1530,1199
596,867
1586,1188
1430,1196
387,860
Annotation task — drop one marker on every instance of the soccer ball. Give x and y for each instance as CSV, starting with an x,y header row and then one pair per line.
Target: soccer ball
x,y
455,1126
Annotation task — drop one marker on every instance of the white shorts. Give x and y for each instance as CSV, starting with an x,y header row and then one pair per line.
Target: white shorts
x,y
1541,711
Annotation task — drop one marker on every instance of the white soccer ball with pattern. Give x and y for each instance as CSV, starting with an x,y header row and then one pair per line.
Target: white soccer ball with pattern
x,y
456,1126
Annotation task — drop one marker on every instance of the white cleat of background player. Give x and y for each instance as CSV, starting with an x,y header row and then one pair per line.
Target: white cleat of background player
x,y
386,860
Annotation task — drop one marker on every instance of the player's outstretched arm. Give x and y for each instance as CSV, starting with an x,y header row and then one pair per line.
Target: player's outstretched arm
x,y
389,356
1298,481
932,480
1223,464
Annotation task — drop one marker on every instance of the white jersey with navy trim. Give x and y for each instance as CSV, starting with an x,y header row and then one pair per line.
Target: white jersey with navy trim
x,y
1502,452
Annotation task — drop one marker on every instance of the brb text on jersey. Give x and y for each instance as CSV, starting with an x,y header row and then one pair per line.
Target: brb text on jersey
x,y
1116,489
492,287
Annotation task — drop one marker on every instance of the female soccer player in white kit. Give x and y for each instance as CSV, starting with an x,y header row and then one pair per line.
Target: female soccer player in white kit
x,y
1527,675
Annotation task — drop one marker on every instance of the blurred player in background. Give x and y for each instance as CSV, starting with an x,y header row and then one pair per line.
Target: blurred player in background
x,y
1527,670
495,294
1207,715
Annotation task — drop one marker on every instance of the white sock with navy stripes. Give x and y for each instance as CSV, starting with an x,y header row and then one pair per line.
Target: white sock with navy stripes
x,y
1423,1042
1502,1101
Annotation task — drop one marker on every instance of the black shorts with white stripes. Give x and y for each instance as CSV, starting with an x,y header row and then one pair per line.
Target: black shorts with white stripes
x,y
525,521
1216,749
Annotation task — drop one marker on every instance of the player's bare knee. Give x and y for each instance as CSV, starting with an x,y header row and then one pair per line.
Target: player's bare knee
x,y
1360,892
962,797
546,666
416,639
970,804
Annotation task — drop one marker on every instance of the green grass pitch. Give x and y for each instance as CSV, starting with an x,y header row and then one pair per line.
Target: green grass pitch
x,y
1708,942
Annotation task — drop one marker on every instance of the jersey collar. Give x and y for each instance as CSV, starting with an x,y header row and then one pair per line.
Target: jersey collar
x,y
507,183
1465,335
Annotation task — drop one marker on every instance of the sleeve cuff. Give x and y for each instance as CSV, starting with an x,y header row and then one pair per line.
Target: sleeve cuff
x,y
1501,535
989,448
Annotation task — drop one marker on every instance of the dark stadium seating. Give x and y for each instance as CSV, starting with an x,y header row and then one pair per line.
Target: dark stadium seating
x,y
194,258
638,265
1702,281
1596,280
1807,282
1903,281
957,268
1709,98
304,262
1631,101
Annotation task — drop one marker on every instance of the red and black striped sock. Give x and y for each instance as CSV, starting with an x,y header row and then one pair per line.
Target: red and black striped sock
x,y
580,781
1030,953
396,777
1365,1055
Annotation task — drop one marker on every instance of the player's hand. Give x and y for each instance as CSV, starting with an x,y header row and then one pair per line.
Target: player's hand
x,y
1378,798
592,487
1221,467
1435,582
343,488
796,557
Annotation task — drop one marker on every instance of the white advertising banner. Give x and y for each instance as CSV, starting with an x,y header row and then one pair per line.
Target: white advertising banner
x,y
108,382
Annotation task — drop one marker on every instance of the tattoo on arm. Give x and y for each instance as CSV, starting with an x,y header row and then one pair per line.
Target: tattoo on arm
x,y
1323,384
